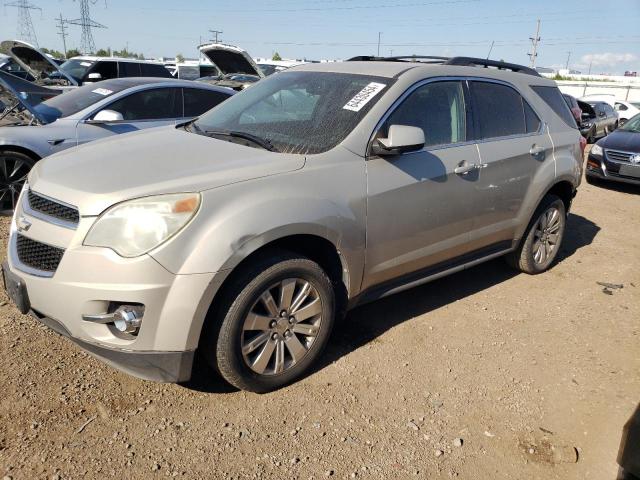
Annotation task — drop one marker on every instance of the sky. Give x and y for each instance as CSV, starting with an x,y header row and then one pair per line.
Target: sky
x,y
603,34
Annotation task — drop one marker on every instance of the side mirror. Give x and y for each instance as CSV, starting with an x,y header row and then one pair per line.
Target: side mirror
x,y
106,116
94,76
401,139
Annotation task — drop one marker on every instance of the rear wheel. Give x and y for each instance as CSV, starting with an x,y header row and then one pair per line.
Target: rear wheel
x,y
14,168
273,323
543,238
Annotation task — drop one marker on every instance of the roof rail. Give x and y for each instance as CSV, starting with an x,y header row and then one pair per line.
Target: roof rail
x,y
459,61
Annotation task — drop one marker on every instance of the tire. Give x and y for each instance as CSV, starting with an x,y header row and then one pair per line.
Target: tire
x,y
252,343
534,257
14,168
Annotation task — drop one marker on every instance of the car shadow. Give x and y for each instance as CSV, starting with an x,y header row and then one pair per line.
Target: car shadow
x,y
364,324
618,187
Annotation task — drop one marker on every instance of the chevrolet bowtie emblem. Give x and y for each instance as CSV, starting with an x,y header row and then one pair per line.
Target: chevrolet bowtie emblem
x,y
23,224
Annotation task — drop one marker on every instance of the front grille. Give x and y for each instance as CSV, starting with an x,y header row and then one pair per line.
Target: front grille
x,y
618,156
52,208
38,255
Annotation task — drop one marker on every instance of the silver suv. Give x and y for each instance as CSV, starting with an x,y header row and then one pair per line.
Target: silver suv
x,y
244,234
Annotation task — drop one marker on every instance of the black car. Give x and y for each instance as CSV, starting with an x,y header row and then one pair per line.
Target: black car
x,y
599,119
617,156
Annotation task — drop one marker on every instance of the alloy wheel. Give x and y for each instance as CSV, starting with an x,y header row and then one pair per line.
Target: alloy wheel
x,y
281,326
13,174
546,235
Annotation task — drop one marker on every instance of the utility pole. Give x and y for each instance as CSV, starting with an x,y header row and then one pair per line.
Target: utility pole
x,y
379,35
25,29
490,49
215,34
63,33
535,40
568,57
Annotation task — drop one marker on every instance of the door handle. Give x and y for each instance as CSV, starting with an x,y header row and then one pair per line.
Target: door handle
x,y
465,167
536,150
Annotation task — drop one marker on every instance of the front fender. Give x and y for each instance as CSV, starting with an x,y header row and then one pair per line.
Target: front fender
x,y
326,200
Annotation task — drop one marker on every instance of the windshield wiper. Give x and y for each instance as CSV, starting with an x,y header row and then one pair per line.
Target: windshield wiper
x,y
262,142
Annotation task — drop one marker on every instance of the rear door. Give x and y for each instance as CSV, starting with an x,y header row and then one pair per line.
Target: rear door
x,y
419,211
149,108
513,144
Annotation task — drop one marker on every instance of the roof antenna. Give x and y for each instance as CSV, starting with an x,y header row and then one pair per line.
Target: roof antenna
x,y
490,49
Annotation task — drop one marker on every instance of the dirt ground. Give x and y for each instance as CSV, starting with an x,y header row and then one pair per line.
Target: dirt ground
x,y
510,364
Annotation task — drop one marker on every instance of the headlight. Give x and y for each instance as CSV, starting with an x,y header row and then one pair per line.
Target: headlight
x,y
134,227
596,150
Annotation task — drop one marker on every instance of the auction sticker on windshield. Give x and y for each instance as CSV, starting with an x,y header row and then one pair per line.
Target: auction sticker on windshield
x,y
102,91
364,96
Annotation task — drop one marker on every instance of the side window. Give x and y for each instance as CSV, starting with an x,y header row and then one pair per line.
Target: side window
x,y
621,107
129,69
154,104
553,98
106,70
609,110
197,101
437,108
151,70
498,110
532,120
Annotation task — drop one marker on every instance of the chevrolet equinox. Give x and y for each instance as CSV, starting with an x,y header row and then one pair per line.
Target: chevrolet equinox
x,y
244,234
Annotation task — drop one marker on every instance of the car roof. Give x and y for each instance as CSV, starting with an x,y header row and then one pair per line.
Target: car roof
x,y
90,58
396,69
128,82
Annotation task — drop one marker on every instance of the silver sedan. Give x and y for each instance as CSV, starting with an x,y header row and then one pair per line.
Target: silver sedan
x,y
32,129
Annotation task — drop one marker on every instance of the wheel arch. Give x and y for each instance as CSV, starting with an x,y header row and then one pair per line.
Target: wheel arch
x,y
311,245
20,149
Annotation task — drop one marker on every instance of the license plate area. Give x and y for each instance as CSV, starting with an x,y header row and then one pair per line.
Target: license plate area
x,y
630,170
16,289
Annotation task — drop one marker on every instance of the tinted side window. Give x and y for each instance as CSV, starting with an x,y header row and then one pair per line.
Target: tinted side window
x,y
532,120
437,108
621,107
129,69
151,70
196,102
158,103
553,98
608,109
498,110
106,69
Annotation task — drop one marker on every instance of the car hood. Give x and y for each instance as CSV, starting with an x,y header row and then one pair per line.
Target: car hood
x,y
28,94
231,59
622,140
160,160
33,60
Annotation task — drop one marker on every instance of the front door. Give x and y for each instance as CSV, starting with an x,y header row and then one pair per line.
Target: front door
x,y
143,109
419,210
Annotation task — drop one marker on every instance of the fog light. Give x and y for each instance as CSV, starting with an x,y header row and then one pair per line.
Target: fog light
x,y
128,318
593,165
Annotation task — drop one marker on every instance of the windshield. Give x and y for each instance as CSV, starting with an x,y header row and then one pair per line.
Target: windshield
x,y
76,68
632,125
298,112
75,100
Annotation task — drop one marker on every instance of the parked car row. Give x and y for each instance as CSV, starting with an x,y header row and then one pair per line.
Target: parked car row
x,y
244,233
595,118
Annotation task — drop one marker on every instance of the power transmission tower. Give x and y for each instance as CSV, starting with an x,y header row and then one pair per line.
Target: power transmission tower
x,y
568,57
379,36
535,40
215,34
26,31
87,45
62,32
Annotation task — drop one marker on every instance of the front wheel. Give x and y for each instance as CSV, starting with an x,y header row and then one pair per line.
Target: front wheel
x,y
543,238
279,318
14,168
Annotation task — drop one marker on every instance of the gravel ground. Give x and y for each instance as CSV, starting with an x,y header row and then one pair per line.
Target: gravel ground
x,y
476,375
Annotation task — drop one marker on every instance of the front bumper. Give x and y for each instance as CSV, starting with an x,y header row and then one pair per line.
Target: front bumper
x,y
91,280
600,168
156,366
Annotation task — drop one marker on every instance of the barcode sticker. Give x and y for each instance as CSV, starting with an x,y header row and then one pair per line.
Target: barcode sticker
x,y
364,96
